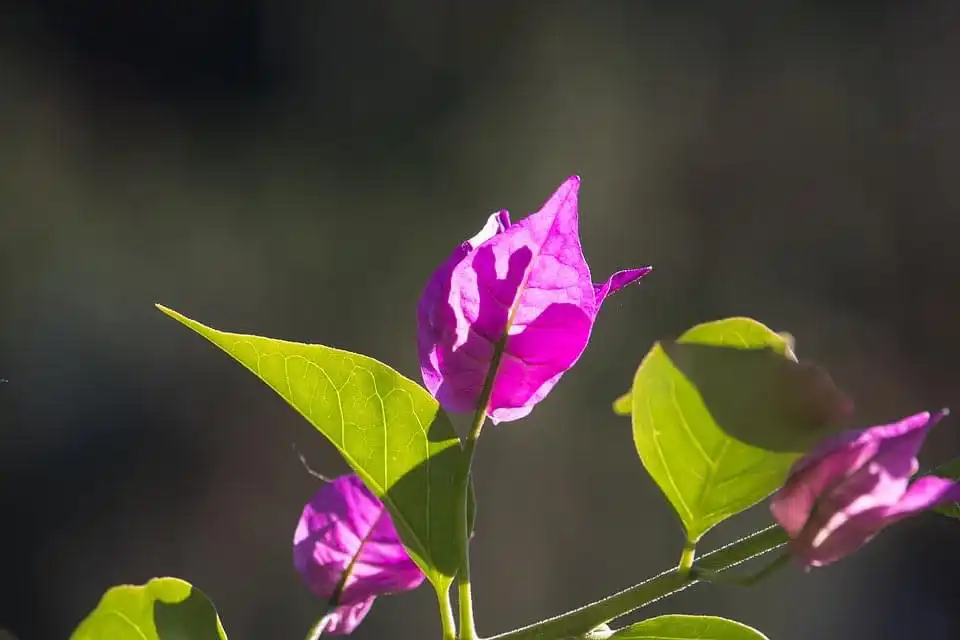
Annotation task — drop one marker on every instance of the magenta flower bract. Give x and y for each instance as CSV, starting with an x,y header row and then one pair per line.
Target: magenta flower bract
x,y
842,494
528,281
348,552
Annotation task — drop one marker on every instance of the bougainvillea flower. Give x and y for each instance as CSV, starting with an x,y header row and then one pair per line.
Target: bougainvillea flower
x,y
527,283
842,494
348,552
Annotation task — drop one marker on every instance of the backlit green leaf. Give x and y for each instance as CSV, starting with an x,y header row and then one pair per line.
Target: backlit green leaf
x,y
678,627
623,405
389,429
162,609
720,414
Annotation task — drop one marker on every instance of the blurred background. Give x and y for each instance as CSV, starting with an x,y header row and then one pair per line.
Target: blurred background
x,y
297,169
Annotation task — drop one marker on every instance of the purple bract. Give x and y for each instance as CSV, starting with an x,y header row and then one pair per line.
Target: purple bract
x,y
527,283
348,552
841,495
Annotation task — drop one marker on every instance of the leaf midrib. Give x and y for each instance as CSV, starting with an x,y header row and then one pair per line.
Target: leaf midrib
x,y
401,520
351,460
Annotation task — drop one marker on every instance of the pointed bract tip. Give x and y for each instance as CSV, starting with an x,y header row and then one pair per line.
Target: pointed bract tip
x,y
571,184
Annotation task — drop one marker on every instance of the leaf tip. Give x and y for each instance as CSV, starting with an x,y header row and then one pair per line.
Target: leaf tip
x,y
199,327
167,311
623,406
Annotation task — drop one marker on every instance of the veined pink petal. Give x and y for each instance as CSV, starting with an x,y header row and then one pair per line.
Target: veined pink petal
x,y
348,552
344,619
527,284
437,323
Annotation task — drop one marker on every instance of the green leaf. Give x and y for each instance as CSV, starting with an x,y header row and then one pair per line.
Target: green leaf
x,y
162,609
720,414
389,429
623,406
949,470
678,627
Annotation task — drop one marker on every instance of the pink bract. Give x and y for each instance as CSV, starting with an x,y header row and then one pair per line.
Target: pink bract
x,y
348,552
841,495
526,282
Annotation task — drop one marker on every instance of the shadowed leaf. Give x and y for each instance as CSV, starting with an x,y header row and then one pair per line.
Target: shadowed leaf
x,y
720,414
162,609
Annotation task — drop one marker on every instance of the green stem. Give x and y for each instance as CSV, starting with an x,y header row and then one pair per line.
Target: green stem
x,y
468,629
446,615
579,622
316,631
686,557
749,580
483,404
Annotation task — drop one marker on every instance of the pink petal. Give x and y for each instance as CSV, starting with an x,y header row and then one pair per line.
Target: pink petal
x,y
437,325
792,505
926,493
906,436
890,448
527,282
850,514
344,619
345,527
840,496
617,281
857,530
840,541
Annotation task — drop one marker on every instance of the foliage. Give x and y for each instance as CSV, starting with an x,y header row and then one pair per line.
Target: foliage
x,y
722,417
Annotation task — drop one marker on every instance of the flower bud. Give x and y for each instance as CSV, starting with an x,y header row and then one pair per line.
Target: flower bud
x,y
841,495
